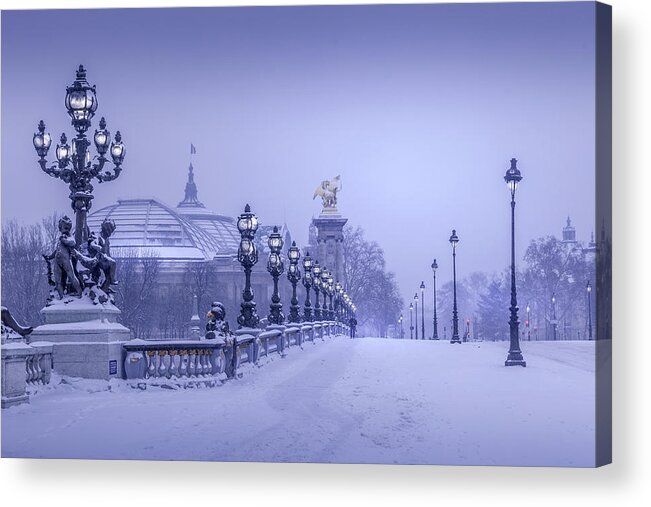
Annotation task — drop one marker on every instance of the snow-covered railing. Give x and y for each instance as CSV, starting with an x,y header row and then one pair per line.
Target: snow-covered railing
x,y
24,364
208,359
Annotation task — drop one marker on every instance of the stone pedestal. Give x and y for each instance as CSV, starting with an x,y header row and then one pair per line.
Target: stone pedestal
x,y
330,237
14,357
87,338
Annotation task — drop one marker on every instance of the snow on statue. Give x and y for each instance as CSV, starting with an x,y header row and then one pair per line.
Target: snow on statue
x,y
327,190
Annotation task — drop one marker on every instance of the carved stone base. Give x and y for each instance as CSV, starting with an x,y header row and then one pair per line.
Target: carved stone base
x,y
87,338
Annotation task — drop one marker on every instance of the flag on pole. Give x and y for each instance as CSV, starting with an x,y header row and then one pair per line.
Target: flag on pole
x,y
193,150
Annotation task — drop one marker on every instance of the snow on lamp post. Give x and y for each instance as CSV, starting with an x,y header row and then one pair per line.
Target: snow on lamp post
x,y
74,165
275,267
454,239
514,358
307,283
247,255
294,276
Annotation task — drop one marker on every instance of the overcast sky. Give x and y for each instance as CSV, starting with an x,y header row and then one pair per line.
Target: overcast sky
x,y
419,108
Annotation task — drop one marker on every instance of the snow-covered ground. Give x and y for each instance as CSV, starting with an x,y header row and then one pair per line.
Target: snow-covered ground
x,y
367,400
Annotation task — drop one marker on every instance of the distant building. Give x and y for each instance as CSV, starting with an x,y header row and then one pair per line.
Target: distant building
x,y
185,239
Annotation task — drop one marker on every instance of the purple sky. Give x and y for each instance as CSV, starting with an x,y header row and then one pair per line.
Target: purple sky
x,y
419,108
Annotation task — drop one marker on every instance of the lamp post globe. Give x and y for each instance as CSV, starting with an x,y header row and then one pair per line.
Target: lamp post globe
x,y
435,332
74,164
454,240
514,357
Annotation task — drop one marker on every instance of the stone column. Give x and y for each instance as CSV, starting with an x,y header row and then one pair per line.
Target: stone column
x,y
330,237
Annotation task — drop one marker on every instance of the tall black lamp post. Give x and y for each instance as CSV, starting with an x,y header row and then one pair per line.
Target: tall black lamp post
x,y
316,283
435,333
454,239
528,323
514,358
247,255
411,321
74,164
307,283
331,293
294,276
275,267
325,276
588,290
422,310
416,312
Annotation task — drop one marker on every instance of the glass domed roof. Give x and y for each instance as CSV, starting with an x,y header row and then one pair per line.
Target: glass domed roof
x,y
153,228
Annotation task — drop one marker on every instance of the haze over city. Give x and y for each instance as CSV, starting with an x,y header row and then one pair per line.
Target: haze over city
x,y
418,108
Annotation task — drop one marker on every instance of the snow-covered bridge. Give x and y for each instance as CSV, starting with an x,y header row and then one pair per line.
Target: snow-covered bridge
x,y
367,400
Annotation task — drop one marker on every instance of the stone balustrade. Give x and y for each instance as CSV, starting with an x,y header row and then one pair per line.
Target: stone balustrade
x,y
208,361
24,365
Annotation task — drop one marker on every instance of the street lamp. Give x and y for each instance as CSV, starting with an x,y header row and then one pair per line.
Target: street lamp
x,y
435,334
400,322
411,321
528,322
275,267
588,289
325,276
422,310
454,239
331,292
73,164
554,314
307,283
247,255
514,358
316,282
416,310
294,276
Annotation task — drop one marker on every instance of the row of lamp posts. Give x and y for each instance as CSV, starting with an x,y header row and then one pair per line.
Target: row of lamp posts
x,y
331,300
512,177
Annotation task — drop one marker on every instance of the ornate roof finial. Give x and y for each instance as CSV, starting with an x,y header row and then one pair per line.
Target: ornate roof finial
x,y
191,199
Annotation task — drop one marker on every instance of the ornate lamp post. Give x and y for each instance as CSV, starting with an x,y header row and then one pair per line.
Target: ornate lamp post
x,y
512,178
338,292
331,292
316,283
73,164
554,323
454,239
400,322
528,322
588,289
294,276
435,334
275,267
411,321
422,310
325,276
307,283
416,312
247,255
